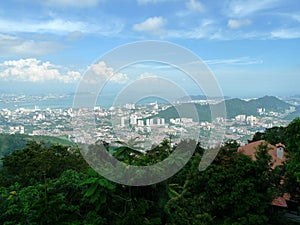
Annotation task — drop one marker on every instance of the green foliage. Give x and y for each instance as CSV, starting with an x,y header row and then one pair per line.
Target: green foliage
x,y
48,203
36,163
293,136
233,190
187,110
292,184
272,135
97,190
12,142
53,185
234,107
9,143
290,136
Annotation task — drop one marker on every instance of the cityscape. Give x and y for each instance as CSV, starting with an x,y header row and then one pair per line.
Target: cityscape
x,y
122,123
150,112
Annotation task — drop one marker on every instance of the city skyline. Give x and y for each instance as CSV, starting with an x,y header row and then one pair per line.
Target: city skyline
x,y
250,46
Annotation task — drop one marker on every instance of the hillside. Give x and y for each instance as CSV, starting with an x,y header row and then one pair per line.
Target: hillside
x,y
270,103
199,97
9,143
234,107
294,115
237,106
186,110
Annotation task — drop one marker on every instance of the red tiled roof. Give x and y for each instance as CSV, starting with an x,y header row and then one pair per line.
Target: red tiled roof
x,y
251,148
279,201
280,145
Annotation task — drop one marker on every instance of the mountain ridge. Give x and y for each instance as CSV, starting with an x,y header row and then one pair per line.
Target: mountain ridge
x,y
234,107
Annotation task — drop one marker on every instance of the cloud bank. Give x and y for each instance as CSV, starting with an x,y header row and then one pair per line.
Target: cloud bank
x,y
34,70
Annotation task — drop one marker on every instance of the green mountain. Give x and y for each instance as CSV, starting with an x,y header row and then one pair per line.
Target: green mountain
x,y
234,107
270,103
294,115
11,142
186,110
200,97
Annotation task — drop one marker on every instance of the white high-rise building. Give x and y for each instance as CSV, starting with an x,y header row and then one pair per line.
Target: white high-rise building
x,y
158,121
151,122
22,129
123,119
133,120
140,123
148,122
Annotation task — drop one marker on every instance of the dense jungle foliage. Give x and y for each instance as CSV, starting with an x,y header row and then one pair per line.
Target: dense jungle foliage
x,y
53,184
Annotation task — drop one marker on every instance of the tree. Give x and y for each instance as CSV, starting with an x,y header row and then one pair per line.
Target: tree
x,y
128,151
292,183
35,163
272,135
234,189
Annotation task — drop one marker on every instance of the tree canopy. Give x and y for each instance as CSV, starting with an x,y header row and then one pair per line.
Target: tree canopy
x,y
54,185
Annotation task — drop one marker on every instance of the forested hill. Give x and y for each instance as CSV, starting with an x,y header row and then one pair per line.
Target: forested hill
x,y
11,142
234,107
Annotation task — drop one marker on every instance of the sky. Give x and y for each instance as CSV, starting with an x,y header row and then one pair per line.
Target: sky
x,y
251,47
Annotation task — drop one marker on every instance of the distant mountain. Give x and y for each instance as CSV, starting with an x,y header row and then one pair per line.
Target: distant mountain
x,y
186,110
295,96
294,115
238,106
234,107
199,97
270,103
192,97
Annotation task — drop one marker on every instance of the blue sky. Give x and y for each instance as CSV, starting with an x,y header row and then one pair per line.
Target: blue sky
x,y
252,47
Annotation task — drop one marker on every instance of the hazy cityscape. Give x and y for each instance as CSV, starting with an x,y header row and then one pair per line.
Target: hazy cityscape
x,y
120,123
150,112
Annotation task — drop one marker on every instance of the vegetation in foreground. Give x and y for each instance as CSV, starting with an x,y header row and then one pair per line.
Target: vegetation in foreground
x,y
54,185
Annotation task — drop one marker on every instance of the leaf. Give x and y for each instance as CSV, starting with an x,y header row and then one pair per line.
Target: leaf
x,y
94,198
91,190
88,181
92,173
105,183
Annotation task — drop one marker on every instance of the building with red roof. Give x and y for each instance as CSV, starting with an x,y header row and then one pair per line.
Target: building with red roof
x,y
276,152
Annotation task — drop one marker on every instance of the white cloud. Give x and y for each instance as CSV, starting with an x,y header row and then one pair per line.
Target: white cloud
x,y
8,37
241,8
35,48
152,25
194,5
147,75
102,72
235,61
291,15
60,26
145,2
34,70
295,16
206,29
235,24
72,3
119,78
15,46
286,33
74,36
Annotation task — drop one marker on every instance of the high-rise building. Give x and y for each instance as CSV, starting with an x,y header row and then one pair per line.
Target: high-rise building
x,y
123,119
140,123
